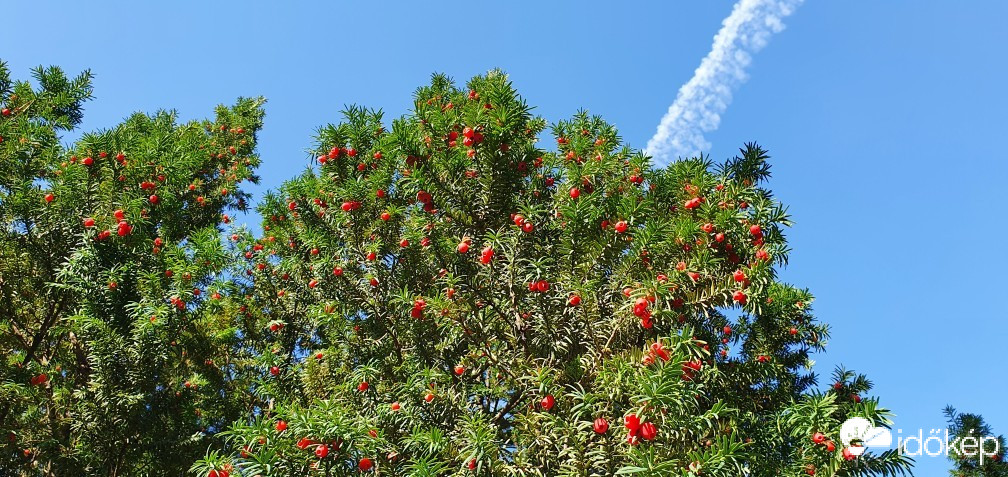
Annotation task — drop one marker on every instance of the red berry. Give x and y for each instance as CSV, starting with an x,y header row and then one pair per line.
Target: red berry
x,y
756,231
818,438
385,216
88,161
621,226
322,451
463,246
830,446
89,222
575,193
281,426
486,255
574,300
363,386
547,402
648,431
600,425
459,370
632,423
365,464
848,455
274,370
542,286
740,297
739,276
124,229
418,308
49,197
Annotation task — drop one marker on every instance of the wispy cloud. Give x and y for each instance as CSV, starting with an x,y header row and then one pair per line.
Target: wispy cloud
x,y
700,102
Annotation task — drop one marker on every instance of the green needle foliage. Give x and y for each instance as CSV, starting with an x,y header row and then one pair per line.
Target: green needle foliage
x,y
465,293
114,356
448,295
973,448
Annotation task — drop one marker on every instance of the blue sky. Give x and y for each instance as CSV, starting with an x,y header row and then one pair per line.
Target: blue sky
x,y
883,119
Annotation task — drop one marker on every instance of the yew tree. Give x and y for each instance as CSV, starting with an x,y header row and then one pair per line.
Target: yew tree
x,y
467,292
113,351
974,450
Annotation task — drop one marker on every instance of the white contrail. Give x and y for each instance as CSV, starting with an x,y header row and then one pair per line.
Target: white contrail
x,y
700,102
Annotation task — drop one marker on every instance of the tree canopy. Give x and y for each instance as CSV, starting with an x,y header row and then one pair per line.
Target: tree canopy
x,y
467,290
